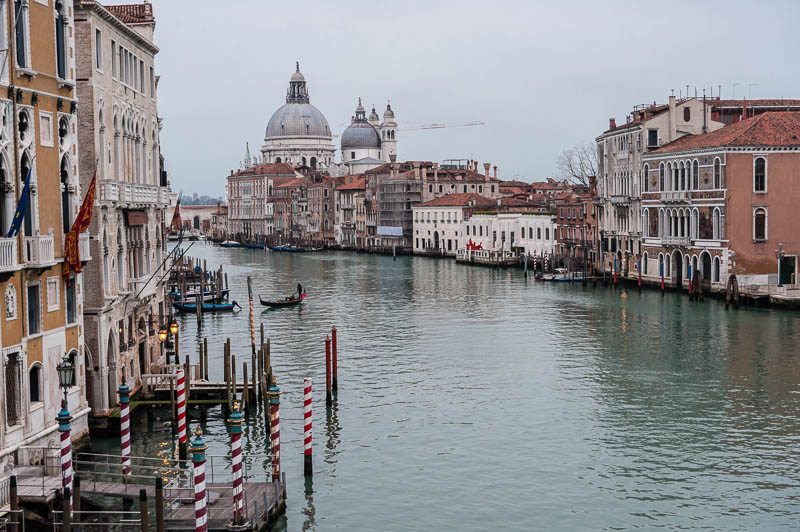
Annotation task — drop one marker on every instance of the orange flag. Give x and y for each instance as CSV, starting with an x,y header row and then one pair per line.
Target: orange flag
x,y
72,259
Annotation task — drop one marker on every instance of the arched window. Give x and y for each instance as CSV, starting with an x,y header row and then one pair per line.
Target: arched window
x,y
715,273
35,383
644,263
646,178
661,176
760,224
717,173
28,221
695,175
547,233
530,233
683,177
687,114
538,233
715,224
277,159
66,203
760,175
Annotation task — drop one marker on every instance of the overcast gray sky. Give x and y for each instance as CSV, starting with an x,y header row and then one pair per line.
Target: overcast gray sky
x,y
541,75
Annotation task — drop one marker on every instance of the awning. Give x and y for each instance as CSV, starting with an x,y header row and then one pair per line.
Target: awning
x,y
136,217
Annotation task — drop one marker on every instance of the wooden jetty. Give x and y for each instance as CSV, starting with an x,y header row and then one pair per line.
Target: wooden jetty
x,y
102,475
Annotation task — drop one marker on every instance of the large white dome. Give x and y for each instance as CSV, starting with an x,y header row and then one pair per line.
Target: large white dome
x,y
297,120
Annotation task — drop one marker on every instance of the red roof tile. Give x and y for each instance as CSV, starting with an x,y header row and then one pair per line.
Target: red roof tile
x,y
132,13
267,169
766,129
774,102
459,200
353,183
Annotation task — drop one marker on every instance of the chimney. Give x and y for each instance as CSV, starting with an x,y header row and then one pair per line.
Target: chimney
x,y
486,167
612,123
495,171
435,171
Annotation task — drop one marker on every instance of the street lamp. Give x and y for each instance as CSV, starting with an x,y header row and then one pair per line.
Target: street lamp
x,y
779,253
66,375
173,327
162,333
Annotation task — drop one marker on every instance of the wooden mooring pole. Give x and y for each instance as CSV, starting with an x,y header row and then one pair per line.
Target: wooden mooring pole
x,y
14,504
144,516
76,499
66,513
159,505
328,397
334,360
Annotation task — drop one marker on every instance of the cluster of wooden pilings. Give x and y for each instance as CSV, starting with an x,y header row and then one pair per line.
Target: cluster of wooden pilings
x,y
191,276
257,376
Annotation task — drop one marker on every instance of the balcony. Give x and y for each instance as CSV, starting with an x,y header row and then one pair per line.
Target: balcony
x,y
676,240
372,223
39,250
83,247
8,254
133,193
678,196
144,286
620,200
347,207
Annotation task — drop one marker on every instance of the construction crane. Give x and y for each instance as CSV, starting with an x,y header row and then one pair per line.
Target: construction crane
x,y
440,126
433,126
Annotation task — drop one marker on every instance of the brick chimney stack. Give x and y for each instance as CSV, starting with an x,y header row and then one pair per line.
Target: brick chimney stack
x,y
486,167
612,123
495,171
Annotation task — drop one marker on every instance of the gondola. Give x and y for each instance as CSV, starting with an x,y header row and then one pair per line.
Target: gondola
x,y
231,244
282,302
192,296
207,307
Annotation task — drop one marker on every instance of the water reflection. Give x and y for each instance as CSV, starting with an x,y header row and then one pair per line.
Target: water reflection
x,y
564,400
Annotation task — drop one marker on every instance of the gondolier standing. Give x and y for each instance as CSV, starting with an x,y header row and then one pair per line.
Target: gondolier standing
x,y
299,290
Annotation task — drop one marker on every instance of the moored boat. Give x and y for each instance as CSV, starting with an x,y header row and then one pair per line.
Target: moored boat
x,y
207,307
231,244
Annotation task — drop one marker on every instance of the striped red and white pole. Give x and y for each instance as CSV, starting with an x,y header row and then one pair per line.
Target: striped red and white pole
x,y
198,451
65,430
125,427
307,463
275,428
235,423
181,414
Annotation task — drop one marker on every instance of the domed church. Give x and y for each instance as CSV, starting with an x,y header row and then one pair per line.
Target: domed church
x,y
298,133
367,143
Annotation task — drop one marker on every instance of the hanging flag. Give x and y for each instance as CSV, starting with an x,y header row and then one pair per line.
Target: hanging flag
x,y
22,206
72,258
175,224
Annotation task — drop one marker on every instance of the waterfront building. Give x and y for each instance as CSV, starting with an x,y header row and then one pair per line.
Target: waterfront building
x,y
321,208
209,220
619,154
723,203
457,176
438,222
509,233
250,194
350,195
42,311
575,228
119,139
290,207
298,133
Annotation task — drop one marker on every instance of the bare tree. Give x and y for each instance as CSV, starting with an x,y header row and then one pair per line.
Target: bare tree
x,y
578,163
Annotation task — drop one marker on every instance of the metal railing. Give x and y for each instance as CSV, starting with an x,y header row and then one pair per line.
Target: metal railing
x,y
12,520
675,196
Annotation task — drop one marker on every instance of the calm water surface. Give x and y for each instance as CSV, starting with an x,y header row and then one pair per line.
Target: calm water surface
x,y
472,399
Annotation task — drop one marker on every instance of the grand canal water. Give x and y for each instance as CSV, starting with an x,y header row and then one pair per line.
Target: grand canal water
x,y
472,399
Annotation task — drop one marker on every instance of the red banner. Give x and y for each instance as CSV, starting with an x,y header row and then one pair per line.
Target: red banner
x,y
72,259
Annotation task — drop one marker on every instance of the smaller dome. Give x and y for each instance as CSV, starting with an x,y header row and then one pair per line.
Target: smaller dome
x,y
373,116
388,113
360,135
